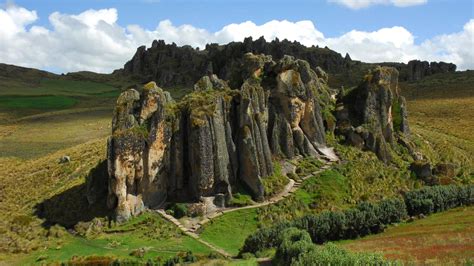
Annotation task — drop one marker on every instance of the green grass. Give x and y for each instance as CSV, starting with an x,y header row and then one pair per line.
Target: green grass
x,y
444,238
329,186
230,230
37,102
149,231
329,189
276,182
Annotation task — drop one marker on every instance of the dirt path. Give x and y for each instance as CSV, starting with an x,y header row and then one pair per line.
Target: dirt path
x,y
289,189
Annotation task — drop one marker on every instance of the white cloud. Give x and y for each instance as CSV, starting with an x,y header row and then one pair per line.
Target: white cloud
x,y
94,41
358,4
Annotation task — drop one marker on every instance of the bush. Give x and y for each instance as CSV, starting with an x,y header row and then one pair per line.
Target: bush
x,y
438,198
366,218
264,238
330,254
179,210
293,243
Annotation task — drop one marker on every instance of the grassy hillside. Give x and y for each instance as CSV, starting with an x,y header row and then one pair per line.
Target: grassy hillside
x,y
441,111
45,116
445,238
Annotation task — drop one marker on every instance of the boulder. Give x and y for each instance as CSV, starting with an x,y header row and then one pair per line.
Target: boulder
x,y
421,169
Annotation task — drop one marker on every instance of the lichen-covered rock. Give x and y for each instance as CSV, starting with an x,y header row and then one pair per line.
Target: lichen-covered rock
x,y
373,112
215,138
136,151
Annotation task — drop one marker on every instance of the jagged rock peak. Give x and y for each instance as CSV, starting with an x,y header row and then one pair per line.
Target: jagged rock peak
x,y
373,112
216,137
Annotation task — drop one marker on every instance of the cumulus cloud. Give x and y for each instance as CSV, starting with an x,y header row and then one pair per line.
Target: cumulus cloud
x,y
92,40
358,4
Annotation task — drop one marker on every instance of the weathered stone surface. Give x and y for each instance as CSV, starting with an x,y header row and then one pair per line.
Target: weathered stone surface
x,y
214,138
376,110
417,70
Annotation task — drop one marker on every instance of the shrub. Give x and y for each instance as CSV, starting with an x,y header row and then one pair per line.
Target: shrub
x,y
366,218
264,238
179,210
438,198
276,182
330,254
293,243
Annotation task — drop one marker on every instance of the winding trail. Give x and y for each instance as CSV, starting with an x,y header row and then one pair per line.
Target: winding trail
x,y
289,189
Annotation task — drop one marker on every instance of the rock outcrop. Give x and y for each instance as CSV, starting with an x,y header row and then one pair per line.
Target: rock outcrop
x,y
171,65
215,137
369,115
417,70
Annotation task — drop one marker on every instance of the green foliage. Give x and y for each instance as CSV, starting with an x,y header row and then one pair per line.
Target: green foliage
x,y
276,182
327,189
438,198
307,166
365,219
240,200
330,254
178,210
293,243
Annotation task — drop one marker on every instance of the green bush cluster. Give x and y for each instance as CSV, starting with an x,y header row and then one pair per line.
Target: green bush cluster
x,y
330,254
438,198
366,218
296,248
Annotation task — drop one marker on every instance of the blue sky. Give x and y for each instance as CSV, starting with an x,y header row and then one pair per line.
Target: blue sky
x,y
370,30
425,21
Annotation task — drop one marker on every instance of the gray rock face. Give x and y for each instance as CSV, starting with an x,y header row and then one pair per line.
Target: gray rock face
x,y
215,137
417,70
373,112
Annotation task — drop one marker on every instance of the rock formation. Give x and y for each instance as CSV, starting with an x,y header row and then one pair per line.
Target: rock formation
x,y
417,70
215,137
369,115
171,65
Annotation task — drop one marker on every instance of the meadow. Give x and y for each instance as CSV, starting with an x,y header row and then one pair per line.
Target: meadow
x,y
445,238
44,119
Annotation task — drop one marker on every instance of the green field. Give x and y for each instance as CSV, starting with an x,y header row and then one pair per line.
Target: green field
x,y
230,230
149,231
37,102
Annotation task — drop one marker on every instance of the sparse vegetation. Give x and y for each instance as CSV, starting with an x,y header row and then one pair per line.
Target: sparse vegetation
x,y
276,182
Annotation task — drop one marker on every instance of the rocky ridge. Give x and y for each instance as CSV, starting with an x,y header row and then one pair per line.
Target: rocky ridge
x,y
221,136
170,65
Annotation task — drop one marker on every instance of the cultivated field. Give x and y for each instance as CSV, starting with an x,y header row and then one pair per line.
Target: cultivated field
x,y
445,238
